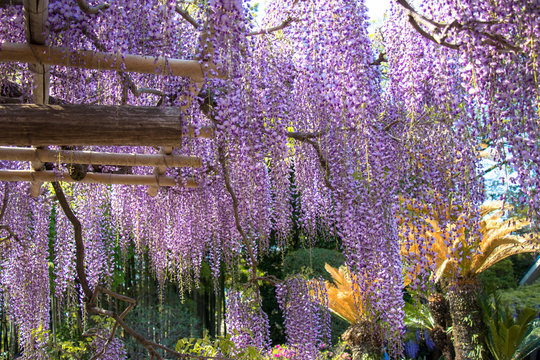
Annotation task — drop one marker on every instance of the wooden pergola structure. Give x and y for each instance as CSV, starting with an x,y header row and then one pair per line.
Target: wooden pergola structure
x,y
31,128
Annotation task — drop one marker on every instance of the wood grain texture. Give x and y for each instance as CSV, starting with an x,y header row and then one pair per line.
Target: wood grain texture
x,y
79,125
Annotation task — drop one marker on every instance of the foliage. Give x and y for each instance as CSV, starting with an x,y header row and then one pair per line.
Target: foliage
x,y
279,352
222,346
418,316
69,343
510,337
527,296
341,299
531,341
452,253
507,273
499,276
312,262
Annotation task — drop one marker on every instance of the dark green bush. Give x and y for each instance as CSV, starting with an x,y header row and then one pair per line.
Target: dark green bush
x,y
311,262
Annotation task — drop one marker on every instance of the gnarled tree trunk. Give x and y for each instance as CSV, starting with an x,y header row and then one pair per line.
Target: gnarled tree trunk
x,y
365,340
468,328
440,310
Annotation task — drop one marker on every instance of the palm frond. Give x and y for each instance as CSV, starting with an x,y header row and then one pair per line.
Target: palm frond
x,y
494,243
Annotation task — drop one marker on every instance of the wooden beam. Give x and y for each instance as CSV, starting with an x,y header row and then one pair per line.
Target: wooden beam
x,y
96,60
85,125
194,89
97,158
93,178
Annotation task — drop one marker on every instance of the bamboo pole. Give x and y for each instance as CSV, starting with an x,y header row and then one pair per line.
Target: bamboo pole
x,y
96,60
97,158
81,125
35,16
159,170
93,178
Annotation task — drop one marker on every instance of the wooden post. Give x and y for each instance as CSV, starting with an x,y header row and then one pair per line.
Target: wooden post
x,y
159,170
35,16
85,125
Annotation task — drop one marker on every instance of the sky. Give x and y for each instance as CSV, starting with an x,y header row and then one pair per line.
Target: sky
x,y
376,8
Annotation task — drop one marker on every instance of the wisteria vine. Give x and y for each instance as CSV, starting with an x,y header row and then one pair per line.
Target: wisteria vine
x,y
370,136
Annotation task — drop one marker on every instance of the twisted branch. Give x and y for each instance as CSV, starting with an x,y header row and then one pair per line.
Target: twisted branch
x,y
91,297
310,139
126,78
439,32
6,227
382,58
4,202
79,244
185,14
245,240
281,26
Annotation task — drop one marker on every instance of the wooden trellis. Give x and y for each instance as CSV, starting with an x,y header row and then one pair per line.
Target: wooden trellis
x,y
41,125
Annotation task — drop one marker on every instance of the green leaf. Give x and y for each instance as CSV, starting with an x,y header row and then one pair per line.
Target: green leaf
x,y
530,343
418,316
509,337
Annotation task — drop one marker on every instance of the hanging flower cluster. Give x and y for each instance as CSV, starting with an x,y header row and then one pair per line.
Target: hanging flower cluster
x,y
246,321
303,110
24,271
307,319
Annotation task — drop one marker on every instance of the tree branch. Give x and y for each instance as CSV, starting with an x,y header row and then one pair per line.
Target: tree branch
x,y
491,168
7,228
303,136
127,81
245,240
380,59
5,199
10,232
310,139
185,14
79,244
281,26
87,9
126,78
438,32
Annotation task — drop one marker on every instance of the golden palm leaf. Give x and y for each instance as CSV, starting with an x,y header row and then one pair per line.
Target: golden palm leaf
x,y
506,250
495,243
491,206
341,295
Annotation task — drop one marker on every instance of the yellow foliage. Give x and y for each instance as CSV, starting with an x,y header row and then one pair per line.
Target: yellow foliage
x,y
341,295
453,252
